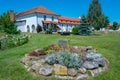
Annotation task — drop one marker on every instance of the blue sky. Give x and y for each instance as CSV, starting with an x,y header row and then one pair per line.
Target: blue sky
x,y
68,8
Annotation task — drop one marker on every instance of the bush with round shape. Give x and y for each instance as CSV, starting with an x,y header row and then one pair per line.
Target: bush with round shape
x,y
51,59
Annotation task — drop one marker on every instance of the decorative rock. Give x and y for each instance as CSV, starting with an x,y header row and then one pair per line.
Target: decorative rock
x,y
106,67
74,49
89,51
82,70
46,70
42,61
72,72
89,48
26,61
64,77
90,65
96,72
23,60
62,44
100,61
82,76
60,70
35,67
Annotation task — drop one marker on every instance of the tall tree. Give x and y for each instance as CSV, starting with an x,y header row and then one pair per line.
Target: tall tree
x,y
7,25
95,16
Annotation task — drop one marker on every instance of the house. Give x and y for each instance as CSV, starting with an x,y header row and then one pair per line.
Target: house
x,y
29,20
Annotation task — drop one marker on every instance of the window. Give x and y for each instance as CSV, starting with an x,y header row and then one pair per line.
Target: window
x,y
28,28
33,28
52,18
44,17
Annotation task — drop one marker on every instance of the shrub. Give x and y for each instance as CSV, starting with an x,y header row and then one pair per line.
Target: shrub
x,y
75,30
65,33
67,59
46,48
39,28
51,59
92,56
11,41
70,60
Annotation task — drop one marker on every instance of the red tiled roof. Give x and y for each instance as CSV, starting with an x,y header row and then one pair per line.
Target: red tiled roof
x,y
65,20
52,22
39,9
110,25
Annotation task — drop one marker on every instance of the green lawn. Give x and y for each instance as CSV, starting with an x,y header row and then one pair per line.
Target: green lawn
x,y
108,45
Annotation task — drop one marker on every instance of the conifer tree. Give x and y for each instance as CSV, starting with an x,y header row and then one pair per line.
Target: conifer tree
x,y
84,27
7,25
95,16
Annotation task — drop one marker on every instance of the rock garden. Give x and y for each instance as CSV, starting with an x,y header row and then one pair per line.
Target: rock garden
x,y
65,61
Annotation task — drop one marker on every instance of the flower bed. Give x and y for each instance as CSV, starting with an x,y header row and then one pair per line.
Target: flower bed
x,y
72,62
9,41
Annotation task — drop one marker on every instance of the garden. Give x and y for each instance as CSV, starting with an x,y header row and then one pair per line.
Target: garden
x,y
9,41
65,61
104,45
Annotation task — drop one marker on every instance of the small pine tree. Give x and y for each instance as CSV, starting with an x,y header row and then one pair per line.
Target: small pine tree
x,y
84,27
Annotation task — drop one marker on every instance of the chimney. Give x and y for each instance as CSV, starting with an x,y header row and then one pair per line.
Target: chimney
x,y
12,17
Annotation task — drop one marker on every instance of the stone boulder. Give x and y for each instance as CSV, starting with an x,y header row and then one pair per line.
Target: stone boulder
x,y
60,70
95,72
64,77
82,70
72,72
90,65
35,67
82,76
46,70
101,62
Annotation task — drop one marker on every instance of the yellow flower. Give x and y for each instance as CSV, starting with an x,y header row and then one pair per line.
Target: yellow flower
x,y
49,51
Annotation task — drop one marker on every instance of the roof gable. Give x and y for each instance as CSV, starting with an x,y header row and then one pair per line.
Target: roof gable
x,y
39,9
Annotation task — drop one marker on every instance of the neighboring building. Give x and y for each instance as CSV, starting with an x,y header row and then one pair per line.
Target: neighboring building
x,y
29,20
67,24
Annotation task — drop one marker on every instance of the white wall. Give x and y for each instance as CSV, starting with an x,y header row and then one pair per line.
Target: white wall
x,y
66,27
30,20
33,19
40,18
22,26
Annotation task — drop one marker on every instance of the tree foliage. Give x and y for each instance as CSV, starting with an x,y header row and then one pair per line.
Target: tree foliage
x,y
84,27
39,28
95,16
6,25
115,26
75,30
